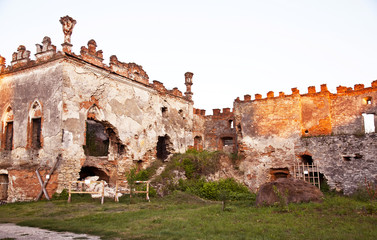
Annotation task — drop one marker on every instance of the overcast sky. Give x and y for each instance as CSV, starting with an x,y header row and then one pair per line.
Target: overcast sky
x,y
233,47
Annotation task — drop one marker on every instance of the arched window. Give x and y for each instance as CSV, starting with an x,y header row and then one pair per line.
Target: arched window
x,y
35,126
7,139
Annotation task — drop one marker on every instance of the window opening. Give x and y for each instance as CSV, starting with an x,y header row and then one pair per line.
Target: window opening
x,y
369,126
367,100
9,136
231,124
97,139
347,158
164,111
227,141
163,147
36,133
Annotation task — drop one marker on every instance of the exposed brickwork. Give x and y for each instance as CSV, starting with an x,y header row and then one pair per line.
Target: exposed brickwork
x,y
24,184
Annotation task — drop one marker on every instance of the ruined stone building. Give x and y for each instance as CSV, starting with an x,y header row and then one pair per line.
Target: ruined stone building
x,y
99,119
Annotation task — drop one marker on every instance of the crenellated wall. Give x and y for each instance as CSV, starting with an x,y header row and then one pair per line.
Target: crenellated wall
x,y
217,131
275,132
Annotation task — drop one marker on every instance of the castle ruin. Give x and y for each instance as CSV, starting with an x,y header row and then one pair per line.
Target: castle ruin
x,y
100,119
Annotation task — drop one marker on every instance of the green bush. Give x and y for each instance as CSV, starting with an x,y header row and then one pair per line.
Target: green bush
x,y
142,175
215,190
61,196
189,167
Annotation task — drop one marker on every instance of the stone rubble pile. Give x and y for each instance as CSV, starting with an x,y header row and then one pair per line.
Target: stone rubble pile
x,y
91,185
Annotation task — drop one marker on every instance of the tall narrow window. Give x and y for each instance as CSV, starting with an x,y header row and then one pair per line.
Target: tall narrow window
x,y
36,133
231,124
9,136
35,139
97,139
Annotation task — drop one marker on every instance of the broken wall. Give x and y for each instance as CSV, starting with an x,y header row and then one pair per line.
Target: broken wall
x,y
138,114
274,132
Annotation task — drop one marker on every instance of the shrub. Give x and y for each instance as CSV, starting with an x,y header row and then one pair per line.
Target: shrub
x,y
61,196
215,190
142,175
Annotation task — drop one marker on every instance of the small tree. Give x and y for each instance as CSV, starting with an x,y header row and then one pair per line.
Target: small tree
x,y
131,179
223,197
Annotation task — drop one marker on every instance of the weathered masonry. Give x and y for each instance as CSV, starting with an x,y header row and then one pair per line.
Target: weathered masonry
x,y
334,131
101,119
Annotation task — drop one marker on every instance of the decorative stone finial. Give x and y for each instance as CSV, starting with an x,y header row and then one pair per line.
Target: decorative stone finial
x,y
46,50
68,23
188,83
21,57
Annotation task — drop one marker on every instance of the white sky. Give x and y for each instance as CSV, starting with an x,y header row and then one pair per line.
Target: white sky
x,y
233,47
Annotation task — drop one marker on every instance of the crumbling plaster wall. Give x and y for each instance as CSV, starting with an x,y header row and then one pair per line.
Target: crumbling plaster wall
x,y
133,109
267,130
19,90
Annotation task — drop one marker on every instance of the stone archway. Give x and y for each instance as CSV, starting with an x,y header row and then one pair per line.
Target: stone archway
x,y
89,171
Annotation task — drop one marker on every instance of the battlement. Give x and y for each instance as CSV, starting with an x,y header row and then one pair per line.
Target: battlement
x,y
341,90
46,52
200,112
226,112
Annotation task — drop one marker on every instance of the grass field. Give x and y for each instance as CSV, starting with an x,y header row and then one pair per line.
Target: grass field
x,y
183,216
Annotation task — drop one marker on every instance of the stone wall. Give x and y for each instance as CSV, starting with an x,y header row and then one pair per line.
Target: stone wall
x,y
274,132
346,161
138,115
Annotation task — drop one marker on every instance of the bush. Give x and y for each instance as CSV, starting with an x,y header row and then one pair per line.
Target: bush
x,y
61,196
215,190
142,175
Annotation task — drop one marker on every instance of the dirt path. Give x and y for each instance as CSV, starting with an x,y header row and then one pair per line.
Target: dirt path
x,y
12,231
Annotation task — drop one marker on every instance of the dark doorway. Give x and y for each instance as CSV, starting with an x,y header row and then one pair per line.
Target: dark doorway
x,y
3,186
306,159
97,139
163,147
36,133
93,171
9,136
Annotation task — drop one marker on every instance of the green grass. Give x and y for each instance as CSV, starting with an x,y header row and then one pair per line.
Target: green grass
x,y
184,216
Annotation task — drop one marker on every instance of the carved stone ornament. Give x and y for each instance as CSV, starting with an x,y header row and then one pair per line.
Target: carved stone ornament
x,y
68,24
